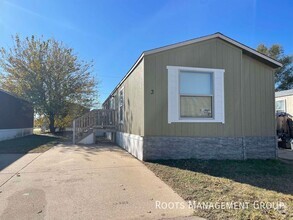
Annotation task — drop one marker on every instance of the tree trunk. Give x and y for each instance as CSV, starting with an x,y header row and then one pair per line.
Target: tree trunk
x,y
52,123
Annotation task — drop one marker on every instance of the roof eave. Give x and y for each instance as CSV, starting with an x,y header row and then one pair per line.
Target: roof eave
x,y
274,63
15,96
269,61
127,74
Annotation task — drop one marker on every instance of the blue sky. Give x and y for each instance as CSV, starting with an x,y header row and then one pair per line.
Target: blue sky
x,y
113,33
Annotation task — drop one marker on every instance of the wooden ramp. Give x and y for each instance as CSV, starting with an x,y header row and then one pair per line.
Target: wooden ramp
x,y
98,120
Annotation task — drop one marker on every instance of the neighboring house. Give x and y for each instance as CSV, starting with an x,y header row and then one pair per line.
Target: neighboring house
x,y
16,116
284,101
207,98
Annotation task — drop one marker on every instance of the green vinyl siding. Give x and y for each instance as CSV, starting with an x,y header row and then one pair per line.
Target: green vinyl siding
x,y
258,98
133,102
249,91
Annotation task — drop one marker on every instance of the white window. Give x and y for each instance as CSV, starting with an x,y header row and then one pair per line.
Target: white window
x,y
121,105
195,94
280,105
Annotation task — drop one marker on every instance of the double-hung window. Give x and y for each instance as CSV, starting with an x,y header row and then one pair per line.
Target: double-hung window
x,y
195,94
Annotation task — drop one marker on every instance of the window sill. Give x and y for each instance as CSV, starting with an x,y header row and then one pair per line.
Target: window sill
x,y
197,120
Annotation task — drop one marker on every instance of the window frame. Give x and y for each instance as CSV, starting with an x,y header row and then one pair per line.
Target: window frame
x,y
218,102
196,95
112,103
285,106
121,104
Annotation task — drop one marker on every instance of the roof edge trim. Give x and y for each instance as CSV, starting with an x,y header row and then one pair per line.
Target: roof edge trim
x,y
219,35
15,96
184,43
127,74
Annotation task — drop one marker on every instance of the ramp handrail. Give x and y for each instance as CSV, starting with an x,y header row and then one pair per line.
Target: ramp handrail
x,y
98,118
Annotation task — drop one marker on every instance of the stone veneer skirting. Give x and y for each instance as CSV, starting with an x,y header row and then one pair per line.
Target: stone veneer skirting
x,y
238,148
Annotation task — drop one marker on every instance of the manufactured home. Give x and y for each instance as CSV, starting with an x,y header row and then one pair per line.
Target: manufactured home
x,y
16,116
284,101
207,98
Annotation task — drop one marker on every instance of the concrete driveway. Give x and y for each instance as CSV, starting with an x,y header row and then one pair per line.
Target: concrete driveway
x,y
82,182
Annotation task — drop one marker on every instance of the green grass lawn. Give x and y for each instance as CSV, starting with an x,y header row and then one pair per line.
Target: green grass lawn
x,y
28,144
268,181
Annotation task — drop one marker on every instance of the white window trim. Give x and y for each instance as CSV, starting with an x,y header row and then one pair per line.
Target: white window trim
x,y
173,95
119,101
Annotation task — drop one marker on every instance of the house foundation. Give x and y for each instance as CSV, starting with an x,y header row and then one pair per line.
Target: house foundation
x,y
220,148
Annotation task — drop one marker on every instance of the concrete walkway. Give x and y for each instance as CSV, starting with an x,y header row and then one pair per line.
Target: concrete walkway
x,y
82,182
